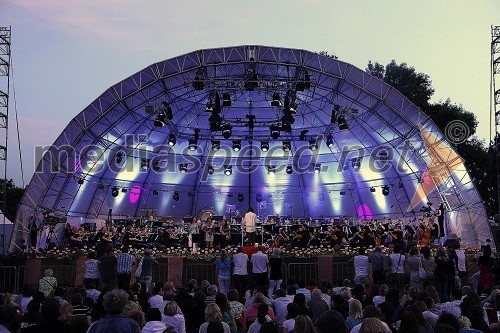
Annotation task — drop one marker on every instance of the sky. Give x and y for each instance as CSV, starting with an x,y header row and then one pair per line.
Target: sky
x,y
66,53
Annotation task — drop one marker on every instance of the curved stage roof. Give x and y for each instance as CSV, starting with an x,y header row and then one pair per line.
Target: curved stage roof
x,y
377,153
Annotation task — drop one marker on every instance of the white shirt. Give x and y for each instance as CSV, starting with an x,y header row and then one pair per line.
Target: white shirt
x,y
250,218
361,265
259,261
395,258
177,321
461,260
289,324
157,301
240,261
279,305
378,299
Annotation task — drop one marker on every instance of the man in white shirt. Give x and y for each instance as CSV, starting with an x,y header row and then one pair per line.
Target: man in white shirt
x,y
361,266
260,264
279,306
249,222
240,272
397,262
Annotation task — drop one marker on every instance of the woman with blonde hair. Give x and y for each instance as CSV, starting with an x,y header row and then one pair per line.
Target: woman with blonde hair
x,y
172,317
304,324
65,313
355,314
372,325
213,314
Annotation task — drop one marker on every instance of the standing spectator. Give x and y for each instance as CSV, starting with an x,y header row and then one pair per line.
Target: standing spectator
x,y
293,311
27,296
249,222
260,264
361,269
275,271
280,304
48,284
486,264
124,263
213,314
240,271
154,324
224,265
428,264
91,275
173,318
237,308
107,268
377,260
414,263
225,309
443,266
355,314
317,305
397,262
114,302
147,268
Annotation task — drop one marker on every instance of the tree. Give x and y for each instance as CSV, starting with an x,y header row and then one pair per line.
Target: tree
x,y
14,196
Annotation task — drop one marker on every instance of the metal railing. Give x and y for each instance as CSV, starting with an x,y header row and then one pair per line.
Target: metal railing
x,y
343,270
8,278
65,274
199,271
160,273
302,271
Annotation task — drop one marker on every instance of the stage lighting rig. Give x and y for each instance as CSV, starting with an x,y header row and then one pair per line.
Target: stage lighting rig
x,y
172,140
236,145
160,119
372,189
119,157
192,144
342,192
228,170
251,121
167,110
271,169
155,192
226,99
241,198
275,132
329,141
144,164
342,122
215,145
115,191
264,146
303,135
198,80
227,131
183,167
211,170
313,145
287,146
176,196
386,190
81,181
289,169
276,99
317,168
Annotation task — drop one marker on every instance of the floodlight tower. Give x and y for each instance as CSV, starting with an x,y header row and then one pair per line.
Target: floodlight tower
x,y
5,62
495,97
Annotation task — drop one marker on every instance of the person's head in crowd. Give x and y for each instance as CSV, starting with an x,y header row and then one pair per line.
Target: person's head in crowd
x,y
8,315
372,325
316,294
361,251
280,293
91,255
465,323
88,302
397,249
193,283
212,290
204,285
304,324
429,302
212,313
291,290
221,301
419,306
358,292
269,327
136,288
262,311
331,321
59,292
466,290
386,312
292,310
138,316
215,327
476,316
171,308
109,250
346,292
426,252
233,295
445,328
48,272
432,292
157,290
33,306
124,249
346,283
259,298
448,319
392,297
466,304
39,296
50,309
114,301
413,292
456,294
355,309
168,287
311,282
80,324
199,297
383,289
76,299
65,312
27,291
413,251
300,300
371,311
153,314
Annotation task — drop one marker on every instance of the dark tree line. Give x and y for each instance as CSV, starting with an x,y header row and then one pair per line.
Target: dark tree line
x,y
479,157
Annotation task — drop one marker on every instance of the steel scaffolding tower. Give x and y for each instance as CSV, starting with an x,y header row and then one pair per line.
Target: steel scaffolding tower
x,y
5,61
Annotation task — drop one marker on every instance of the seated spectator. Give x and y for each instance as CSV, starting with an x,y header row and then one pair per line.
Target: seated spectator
x,y
79,309
8,314
183,299
154,323
303,290
262,317
213,314
304,324
331,321
251,313
225,309
317,305
355,314
373,325
211,292
65,313
173,318
237,309
50,318
138,317
114,302
80,324
383,289
279,306
293,311
371,311
156,299
300,300
196,315
429,317
453,306
30,320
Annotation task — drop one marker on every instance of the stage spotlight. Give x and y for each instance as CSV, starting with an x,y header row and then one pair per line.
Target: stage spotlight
x,y
160,120
289,169
342,192
119,157
228,170
155,166
276,99
155,192
226,99
193,145
236,145
385,190
264,146
176,196
287,146
172,140
258,197
241,198
329,141
303,135
144,164
317,168
356,163
81,181
372,189
115,191
211,170
275,132
342,122
313,145
226,131
124,190
183,167
215,145
271,169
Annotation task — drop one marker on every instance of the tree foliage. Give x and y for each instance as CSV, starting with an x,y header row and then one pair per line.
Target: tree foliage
x,y
14,196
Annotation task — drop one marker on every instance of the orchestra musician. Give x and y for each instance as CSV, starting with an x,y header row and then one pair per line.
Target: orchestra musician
x,y
33,228
301,237
434,230
281,238
249,223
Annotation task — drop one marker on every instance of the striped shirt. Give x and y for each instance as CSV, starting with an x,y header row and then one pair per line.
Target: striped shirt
x,y
124,263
